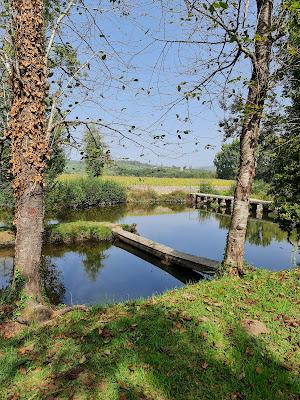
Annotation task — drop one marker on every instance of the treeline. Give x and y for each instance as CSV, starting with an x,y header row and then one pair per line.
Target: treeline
x,y
136,168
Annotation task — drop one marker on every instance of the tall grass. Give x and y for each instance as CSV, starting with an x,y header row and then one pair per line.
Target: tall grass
x,y
83,193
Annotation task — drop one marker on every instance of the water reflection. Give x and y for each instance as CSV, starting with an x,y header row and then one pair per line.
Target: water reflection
x,y
92,273
52,281
117,212
259,232
6,268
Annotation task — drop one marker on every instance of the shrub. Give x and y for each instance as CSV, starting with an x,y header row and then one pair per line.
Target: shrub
x,y
206,187
84,193
177,196
142,196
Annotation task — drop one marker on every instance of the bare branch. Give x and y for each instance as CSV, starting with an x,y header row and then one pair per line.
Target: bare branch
x,y
56,28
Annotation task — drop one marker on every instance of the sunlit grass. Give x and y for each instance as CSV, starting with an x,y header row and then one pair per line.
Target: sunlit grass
x,y
188,344
154,181
80,230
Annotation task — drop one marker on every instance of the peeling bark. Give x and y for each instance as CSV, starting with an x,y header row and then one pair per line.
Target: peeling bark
x,y
234,254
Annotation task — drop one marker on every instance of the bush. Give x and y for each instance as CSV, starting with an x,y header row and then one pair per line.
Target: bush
x,y
84,193
260,190
177,196
207,188
142,196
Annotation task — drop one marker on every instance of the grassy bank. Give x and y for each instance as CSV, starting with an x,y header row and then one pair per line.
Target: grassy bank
x,y
68,232
188,344
79,231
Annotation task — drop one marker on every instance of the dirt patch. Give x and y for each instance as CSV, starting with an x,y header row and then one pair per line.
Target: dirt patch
x,y
10,329
7,238
254,327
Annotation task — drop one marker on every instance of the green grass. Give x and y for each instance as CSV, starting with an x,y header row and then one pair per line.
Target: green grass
x,y
79,231
84,192
150,196
188,344
154,181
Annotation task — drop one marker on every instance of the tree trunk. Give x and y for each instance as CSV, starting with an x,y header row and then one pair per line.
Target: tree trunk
x,y
27,133
234,253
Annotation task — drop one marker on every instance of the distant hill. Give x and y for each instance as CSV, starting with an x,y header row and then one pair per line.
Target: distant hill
x,y
137,168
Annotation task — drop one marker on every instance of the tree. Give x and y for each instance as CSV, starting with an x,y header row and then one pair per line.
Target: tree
x,y
227,160
28,139
231,38
96,153
286,181
254,106
232,125
34,48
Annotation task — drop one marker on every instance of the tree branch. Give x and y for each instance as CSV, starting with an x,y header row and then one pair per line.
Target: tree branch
x,y
56,28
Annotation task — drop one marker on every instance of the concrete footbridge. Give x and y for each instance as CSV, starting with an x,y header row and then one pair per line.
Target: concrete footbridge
x,y
260,206
168,256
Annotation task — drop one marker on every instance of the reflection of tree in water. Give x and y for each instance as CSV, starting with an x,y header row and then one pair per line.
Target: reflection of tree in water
x,y
93,259
52,281
259,232
204,215
93,254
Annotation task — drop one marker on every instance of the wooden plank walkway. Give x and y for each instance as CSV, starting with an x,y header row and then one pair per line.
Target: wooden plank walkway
x,y
168,255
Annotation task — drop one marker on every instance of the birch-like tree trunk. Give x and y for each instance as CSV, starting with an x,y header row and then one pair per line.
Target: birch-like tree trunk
x,y
234,253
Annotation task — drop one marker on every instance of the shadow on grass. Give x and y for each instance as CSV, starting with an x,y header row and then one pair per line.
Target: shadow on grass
x,y
144,352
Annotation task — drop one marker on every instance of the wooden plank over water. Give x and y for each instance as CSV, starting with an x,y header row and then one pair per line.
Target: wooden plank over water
x,y
165,253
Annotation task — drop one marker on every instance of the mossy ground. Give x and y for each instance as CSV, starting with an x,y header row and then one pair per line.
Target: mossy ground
x,y
187,344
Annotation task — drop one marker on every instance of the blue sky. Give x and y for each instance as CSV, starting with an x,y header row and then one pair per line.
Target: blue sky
x,y
137,85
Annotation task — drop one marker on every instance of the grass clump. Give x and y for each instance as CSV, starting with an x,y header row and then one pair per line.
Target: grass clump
x,y
177,196
207,187
150,196
79,231
83,193
188,344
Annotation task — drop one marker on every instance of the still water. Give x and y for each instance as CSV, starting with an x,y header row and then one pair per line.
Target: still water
x,y
94,273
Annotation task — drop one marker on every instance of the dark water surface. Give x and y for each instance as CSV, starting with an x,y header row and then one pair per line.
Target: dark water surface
x,y
93,273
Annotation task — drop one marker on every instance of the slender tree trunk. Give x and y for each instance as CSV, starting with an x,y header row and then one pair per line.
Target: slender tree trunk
x,y
27,132
234,253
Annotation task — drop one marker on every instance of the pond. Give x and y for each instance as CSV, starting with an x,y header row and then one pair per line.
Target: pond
x,y
93,273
